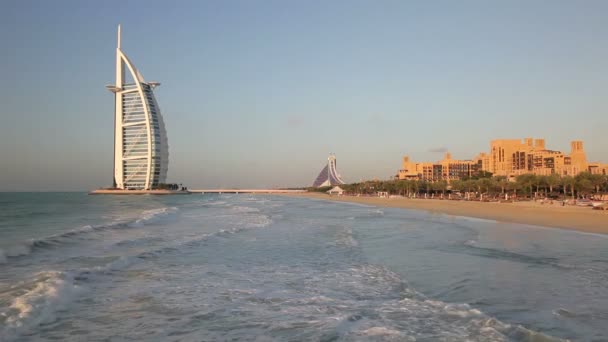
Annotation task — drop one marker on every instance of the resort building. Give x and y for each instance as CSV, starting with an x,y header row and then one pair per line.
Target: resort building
x,y
483,161
447,169
598,169
509,158
515,157
141,152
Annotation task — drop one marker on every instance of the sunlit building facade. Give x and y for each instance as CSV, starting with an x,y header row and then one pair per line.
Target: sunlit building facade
x,y
141,151
447,169
598,168
515,157
509,158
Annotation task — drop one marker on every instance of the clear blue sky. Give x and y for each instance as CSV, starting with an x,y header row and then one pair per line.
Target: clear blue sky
x,y
257,93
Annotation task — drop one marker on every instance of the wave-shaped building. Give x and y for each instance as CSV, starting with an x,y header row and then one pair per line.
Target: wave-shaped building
x,y
329,175
141,151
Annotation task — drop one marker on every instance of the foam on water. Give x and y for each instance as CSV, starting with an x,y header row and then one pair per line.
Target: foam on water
x,y
40,300
378,212
344,237
151,216
26,247
210,273
363,302
242,209
36,301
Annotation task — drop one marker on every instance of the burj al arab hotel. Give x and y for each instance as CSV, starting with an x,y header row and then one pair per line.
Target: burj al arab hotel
x,y
141,151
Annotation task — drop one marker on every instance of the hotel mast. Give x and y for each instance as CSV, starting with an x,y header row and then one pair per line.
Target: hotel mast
x,y
141,151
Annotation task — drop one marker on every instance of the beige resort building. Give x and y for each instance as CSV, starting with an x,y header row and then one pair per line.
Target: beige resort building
x,y
446,169
507,157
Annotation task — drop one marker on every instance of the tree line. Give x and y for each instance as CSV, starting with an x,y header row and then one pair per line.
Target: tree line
x,y
526,185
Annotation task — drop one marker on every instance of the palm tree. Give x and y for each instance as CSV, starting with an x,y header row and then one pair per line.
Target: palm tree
x,y
568,181
514,186
527,179
457,185
501,182
427,188
416,186
470,184
552,181
486,184
440,186
597,181
541,182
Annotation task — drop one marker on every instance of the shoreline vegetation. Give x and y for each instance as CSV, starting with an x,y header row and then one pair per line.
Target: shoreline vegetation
x,y
532,212
548,201
485,186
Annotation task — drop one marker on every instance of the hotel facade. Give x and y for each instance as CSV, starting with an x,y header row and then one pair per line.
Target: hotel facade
x,y
509,158
141,151
447,169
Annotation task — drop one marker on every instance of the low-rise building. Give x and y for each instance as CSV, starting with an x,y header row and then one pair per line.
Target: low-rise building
x,y
447,169
598,169
509,158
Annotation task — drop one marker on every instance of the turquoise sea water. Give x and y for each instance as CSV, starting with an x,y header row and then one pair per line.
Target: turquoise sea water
x,y
263,268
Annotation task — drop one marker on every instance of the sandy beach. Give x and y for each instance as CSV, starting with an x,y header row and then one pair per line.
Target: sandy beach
x,y
534,213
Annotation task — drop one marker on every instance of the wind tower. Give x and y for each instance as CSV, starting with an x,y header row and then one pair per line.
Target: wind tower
x,y
141,150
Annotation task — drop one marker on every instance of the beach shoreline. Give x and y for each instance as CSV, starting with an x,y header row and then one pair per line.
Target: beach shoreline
x,y
582,219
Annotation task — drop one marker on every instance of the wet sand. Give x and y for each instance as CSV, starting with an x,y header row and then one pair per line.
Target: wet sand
x,y
533,213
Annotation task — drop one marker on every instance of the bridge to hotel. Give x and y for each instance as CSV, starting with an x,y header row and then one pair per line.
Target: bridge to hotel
x,y
247,191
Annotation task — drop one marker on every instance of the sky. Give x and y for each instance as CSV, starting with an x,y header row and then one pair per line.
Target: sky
x,y
258,93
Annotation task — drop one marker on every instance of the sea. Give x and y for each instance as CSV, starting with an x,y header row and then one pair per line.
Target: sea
x,y
244,267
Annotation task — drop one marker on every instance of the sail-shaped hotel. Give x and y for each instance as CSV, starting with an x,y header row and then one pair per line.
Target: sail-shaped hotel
x,y
141,151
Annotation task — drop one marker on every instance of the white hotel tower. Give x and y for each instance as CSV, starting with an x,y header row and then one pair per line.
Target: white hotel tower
x,y
141,151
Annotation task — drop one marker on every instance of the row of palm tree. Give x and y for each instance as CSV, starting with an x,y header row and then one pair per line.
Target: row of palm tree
x,y
583,185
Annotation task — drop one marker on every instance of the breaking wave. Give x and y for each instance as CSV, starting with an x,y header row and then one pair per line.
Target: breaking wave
x,y
263,221
241,209
471,247
26,247
344,237
361,302
38,301
50,292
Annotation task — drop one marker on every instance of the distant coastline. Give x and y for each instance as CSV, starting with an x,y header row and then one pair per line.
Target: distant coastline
x,y
138,192
532,213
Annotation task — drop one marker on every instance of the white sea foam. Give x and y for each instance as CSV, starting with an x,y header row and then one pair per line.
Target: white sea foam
x,y
344,237
51,292
214,203
364,302
151,216
330,295
258,221
470,243
380,331
241,209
